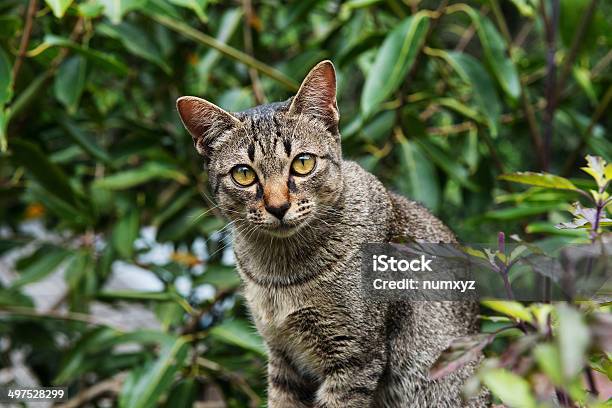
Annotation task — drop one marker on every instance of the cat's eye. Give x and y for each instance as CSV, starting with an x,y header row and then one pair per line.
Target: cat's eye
x,y
243,175
303,164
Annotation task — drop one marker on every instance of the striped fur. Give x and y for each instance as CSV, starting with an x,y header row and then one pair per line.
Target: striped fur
x,y
329,345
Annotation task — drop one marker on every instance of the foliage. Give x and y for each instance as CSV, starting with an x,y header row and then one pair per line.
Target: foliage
x,y
436,99
548,346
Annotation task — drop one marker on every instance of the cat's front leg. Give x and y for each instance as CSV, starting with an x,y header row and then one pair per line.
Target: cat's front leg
x,y
286,387
352,383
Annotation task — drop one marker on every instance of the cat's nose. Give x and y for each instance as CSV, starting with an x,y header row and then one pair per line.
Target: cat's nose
x,y
278,211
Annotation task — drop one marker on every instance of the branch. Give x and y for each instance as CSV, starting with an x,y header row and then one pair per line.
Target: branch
x,y
576,42
551,79
112,385
249,18
225,49
68,316
534,130
25,38
601,108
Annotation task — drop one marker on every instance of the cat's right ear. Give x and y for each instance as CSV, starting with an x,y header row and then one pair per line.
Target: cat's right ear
x,y
204,121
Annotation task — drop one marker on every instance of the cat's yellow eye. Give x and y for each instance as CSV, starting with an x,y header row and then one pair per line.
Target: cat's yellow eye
x,y
303,164
243,175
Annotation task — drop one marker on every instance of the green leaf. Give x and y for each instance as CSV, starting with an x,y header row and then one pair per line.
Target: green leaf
x,y
134,295
136,41
116,9
44,261
420,181
182,224
9,25
598,169
197,6
125,233
90,342
12,297
446,162
511,389
131,178
509,308
393,61
483,91
221,277
540,180
104,60
85,141
183,394
523,210
6,79
79,266
238,333
146,385
570,17
573,339
58,7
70,81
494,48
48,174
549,361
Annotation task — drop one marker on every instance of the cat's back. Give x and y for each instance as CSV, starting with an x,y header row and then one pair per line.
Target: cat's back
x,y
401,217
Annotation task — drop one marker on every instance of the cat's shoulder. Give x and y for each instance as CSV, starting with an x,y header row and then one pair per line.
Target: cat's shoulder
x,y
415,221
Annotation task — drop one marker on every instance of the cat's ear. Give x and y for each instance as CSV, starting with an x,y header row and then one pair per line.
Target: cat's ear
x,y
204,121
317,95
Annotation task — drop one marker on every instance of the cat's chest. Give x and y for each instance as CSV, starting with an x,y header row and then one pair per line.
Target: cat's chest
x,y
271,308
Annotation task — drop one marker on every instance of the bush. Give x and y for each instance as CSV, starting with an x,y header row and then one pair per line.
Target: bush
x,y
99,180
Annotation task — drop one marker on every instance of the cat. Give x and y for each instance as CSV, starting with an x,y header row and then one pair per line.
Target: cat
x,y
299,214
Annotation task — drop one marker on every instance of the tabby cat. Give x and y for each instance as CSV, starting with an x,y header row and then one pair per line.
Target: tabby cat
x,y
299,214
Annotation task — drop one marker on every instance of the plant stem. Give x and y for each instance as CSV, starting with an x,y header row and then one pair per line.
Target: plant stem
x,y
576,42
534,130
601,108
249,17
25,38
227,50
551,79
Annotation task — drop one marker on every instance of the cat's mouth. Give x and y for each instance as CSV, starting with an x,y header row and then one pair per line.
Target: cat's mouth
x,y
282,229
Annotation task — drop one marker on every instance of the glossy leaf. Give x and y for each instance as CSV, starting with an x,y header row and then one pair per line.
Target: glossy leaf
x,y
238,333
420,181
131,178
548,358
116,9
197,6
393,61
125,232
102,59
48,174
540,180
70,82
494,48
511,389
43,262
509,308
573,338
145,386
58,7
84,140
6,79
136,41
471,71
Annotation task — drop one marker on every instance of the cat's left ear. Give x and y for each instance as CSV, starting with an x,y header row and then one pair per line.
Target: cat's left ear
x,y
317,95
